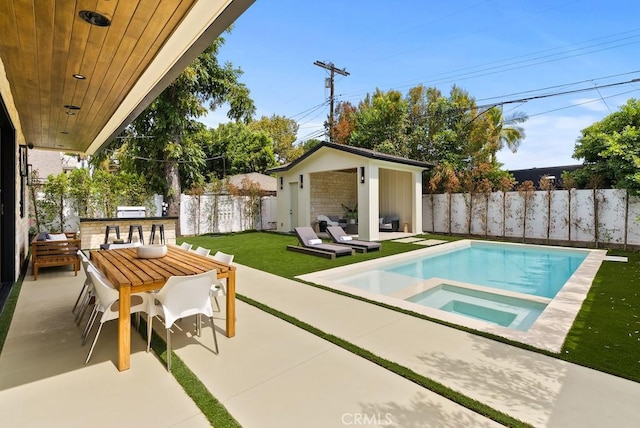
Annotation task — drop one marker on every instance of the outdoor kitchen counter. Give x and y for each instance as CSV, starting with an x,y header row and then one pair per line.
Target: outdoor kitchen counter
x,y
92,229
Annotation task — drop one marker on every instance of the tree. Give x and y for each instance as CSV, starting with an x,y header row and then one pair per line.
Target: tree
x,y
380,123
160,139
283,133
503,131
611,149
56,192
345,122
245,150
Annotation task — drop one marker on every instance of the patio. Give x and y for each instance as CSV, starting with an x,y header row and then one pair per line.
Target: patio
x,y
275,374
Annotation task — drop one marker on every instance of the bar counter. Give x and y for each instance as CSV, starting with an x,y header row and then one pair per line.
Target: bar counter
x,y
92,230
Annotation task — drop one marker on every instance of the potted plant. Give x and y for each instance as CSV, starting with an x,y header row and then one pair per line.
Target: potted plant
x,y
351,213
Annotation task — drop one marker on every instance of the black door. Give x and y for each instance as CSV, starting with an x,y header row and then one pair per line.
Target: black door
x,y
7,197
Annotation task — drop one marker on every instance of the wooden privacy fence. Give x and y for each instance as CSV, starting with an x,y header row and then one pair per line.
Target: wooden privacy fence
x,y
577,217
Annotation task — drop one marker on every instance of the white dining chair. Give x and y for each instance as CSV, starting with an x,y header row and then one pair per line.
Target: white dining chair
x,y
107,302
85,287
186,246
219,288
180,297
202,251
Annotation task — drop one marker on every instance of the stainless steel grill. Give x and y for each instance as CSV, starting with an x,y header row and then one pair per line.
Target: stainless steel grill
x,y
131,212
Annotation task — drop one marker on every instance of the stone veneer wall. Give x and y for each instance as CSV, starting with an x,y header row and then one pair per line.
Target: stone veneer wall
x,y
331,189
92,231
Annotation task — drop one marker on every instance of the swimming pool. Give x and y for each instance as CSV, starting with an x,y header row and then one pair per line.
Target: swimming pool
x,y
538,271
528,293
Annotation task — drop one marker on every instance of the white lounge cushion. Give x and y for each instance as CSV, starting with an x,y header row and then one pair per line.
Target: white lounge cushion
x,y
315,241
345,238
57,237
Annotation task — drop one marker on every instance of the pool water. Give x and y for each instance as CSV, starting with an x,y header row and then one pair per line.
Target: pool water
x,y
534,271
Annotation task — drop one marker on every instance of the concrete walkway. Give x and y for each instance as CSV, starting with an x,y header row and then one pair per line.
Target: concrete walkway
x,y
273,374
531,387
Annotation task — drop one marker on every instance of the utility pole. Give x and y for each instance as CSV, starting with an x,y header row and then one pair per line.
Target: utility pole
x,y
332,69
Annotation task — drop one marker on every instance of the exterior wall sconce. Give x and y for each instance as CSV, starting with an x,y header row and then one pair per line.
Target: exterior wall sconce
x,y
301,184
22,160
281,183
361,174
29,174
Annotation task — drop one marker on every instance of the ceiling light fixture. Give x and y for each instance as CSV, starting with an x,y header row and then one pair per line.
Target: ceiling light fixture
x,y
94,18
78,76
70,113
71,107
64,133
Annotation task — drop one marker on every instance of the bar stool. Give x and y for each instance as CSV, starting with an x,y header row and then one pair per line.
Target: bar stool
x,y
131,229
160,227
109,229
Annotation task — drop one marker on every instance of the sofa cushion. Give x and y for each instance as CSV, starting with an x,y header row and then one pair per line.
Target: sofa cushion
x,y
57,237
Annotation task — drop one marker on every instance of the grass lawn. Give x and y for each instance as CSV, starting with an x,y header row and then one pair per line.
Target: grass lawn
x,y
605,335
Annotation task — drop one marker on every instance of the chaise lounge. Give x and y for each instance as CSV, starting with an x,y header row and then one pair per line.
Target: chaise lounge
x,y
311,244
339,236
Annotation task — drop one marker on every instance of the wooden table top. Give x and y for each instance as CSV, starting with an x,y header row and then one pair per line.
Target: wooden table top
x,y
124,268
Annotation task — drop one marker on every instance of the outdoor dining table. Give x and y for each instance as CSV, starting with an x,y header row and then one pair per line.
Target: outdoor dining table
x,y
130,274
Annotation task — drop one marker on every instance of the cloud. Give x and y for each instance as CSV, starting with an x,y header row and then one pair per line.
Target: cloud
x,y
592,104
550,141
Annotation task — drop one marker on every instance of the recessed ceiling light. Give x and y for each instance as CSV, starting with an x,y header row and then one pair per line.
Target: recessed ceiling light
x,y
94,18
79,76
70,113
71,107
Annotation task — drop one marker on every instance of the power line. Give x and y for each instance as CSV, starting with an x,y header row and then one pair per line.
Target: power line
x,y
574,91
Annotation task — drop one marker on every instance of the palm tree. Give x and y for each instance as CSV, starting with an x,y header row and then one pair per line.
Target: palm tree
x,y
504,131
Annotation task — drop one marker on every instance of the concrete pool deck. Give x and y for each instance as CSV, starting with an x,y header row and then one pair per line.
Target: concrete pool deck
x,y
548,332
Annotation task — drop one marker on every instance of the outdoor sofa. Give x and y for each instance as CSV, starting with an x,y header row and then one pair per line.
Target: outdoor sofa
x,y
54,249
389,223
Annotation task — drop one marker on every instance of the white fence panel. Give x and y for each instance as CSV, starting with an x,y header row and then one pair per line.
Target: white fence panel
x,y
494,214
611,216
458,214
633,220
582,220
559,225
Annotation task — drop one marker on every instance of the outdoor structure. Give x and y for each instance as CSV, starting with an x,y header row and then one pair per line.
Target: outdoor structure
x,y
71,80
554,173
358,186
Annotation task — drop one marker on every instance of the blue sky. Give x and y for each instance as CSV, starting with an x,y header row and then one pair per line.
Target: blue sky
x,y
496,50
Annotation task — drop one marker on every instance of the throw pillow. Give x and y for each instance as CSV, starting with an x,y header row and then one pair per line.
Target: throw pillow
x,y
57,237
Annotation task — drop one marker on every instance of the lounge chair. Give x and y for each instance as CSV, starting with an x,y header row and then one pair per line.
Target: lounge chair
x,y
311,244
339,236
